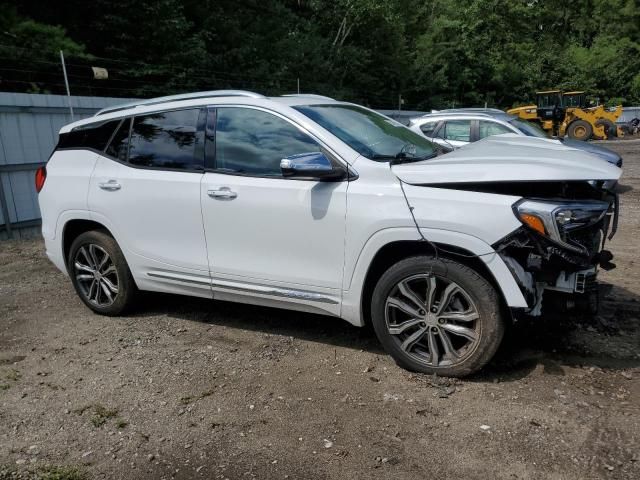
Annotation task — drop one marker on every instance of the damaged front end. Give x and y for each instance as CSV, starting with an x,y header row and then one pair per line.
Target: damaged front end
x,y
555,255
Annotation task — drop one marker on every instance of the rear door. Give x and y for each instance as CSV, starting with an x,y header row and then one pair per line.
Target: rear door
x,y
146,189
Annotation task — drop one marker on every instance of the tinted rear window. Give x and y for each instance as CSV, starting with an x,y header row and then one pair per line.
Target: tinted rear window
x,y
94,136
167,140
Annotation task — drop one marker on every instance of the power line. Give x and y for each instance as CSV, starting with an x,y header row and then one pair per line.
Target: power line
x,y
142,86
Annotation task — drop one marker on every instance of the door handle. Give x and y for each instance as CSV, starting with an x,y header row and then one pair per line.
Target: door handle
x,y
110,186
222,193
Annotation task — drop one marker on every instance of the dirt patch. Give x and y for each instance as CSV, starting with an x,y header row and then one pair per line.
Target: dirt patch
x,y
187,388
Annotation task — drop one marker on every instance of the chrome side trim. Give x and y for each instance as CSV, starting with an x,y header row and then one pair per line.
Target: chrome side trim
x,y
180,277
275,291
244,287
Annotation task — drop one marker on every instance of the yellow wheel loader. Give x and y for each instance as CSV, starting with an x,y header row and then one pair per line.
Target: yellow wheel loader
x,y
567,113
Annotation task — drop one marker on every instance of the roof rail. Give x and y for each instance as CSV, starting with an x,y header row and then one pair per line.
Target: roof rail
x,y
469,110
308,95
181,96
460,114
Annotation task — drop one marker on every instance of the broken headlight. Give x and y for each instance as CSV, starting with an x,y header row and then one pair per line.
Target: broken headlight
x,y
575,225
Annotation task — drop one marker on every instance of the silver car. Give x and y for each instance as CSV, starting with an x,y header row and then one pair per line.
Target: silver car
x,y
455,128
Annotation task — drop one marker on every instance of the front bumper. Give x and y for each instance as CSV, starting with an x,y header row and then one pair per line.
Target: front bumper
x,y
552,279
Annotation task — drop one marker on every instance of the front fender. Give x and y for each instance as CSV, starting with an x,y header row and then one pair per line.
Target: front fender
x,y
352,293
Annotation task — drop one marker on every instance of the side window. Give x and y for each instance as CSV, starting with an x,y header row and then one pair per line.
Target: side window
x,y
253,142
95,136
429,128
459,130
167,140
118,145
492,128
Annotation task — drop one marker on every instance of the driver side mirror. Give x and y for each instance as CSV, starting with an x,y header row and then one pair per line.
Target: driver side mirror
x,y
313,165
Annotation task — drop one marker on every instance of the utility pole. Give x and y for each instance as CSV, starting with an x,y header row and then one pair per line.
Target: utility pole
x,y
66,82
298,85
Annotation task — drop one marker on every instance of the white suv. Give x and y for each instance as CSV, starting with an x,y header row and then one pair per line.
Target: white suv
x,y
311,204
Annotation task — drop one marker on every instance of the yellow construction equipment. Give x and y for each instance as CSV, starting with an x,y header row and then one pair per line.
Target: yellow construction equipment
x,y
568,113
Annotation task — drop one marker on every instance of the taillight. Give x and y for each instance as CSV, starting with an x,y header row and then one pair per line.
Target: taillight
x,y
41,176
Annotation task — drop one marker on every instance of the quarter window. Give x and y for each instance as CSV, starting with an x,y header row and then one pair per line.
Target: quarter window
x,y
459,130
492,128
94,136
429,128
167,140
252,142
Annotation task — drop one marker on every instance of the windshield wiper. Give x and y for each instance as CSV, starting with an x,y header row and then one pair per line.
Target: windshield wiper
x,y
402,157
398,159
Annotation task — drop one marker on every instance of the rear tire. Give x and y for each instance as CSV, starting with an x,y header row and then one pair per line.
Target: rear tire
x,y
437,317
100,274
610,129
580,130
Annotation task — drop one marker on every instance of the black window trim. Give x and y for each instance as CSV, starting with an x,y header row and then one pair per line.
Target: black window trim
x,y
333,157
475,131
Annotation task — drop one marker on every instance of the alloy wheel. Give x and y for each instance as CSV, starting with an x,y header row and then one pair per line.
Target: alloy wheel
x,y
96,275
433,320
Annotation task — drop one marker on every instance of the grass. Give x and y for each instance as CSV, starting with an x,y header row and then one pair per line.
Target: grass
x,y
61,473
101,414
4,386
49,472
13,375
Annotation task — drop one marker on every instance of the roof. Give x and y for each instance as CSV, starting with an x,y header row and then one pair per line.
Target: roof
x,y
467,110
547,91
470,113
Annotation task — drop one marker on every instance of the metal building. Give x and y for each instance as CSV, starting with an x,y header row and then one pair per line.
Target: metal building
x,y
29,126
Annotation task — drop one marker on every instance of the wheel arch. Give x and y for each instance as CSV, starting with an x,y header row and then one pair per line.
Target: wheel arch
x,y
390,245
396,251
75,227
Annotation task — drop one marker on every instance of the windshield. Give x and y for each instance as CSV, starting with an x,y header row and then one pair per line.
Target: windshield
x,y
370,134
529,129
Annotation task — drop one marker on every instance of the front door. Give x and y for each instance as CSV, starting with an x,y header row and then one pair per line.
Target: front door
x,y
277,239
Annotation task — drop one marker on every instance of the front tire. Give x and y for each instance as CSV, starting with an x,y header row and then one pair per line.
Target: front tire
x,y
100,274
437,317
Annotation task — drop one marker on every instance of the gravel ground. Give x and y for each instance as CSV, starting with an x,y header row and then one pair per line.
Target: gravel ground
x,y
187,388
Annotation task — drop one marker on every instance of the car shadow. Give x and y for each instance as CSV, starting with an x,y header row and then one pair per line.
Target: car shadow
x,y
275,321
553,342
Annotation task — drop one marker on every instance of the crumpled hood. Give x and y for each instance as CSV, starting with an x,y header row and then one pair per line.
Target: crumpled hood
x,y
508,158
603,152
